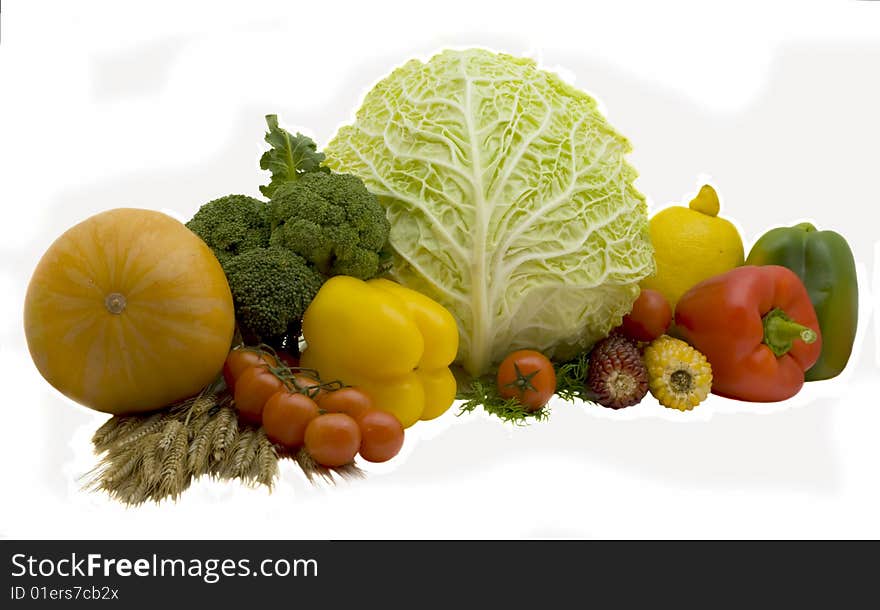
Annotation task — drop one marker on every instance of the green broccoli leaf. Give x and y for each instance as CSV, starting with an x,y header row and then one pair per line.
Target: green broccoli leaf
x,y
289,158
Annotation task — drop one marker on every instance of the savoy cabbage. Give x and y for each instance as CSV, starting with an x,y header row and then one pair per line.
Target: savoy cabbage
x,y
509,198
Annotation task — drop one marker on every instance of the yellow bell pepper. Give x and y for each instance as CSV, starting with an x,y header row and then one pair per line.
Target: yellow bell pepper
x,y
392,342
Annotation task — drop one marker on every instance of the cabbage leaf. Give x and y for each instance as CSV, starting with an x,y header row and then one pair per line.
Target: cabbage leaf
x,y
510,201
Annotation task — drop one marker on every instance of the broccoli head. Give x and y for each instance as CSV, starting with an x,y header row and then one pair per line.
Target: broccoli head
x,y
232,225
332,221
271,288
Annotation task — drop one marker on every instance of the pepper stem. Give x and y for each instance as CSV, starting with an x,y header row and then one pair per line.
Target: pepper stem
x,y
807,227
780,332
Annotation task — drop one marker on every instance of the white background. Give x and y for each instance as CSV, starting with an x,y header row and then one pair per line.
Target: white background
x,y
160,105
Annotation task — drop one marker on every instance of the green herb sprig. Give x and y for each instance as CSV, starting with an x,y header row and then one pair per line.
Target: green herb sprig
x,y
484,393
571,379
571,385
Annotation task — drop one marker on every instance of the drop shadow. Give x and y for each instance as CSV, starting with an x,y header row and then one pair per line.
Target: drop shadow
x,y
775,448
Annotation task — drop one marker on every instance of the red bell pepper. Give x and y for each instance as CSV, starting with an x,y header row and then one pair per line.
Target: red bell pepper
x,y
757,328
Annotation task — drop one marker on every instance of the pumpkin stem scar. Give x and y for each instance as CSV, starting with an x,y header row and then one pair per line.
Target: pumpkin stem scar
x,y
115,303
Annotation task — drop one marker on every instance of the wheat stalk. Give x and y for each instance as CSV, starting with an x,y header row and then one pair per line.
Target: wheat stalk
x,y
156,456
124,490
105,432
174,446
112,429
146,478
250,465
265,465
239,455
313,470
149,425
225,434
200,455
121,468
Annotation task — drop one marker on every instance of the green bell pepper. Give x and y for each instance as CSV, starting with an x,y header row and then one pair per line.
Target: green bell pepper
x,y
824,262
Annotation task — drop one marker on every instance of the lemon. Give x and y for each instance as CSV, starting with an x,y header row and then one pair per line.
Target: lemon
x,y
691,244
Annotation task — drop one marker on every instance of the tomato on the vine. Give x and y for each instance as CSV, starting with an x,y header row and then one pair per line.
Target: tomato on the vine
x,y
381,435
241,359
529,377
286,416
255,386
351,400
308,385
333,439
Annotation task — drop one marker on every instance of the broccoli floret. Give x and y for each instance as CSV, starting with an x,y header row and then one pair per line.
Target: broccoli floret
x,y
232,225
271,288
332,221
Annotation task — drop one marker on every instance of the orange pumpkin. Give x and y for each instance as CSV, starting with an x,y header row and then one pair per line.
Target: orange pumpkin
x,y
128,311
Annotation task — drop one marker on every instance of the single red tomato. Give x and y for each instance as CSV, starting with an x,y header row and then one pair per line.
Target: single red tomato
x,y
650,317
529,377
241,359
333,439
255,386
381,435
286,416
352,401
